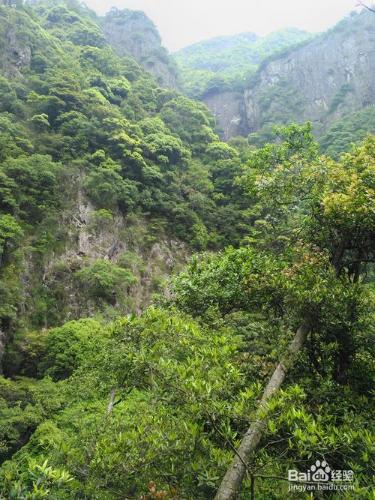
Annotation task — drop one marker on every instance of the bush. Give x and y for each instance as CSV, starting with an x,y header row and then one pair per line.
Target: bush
x,y
104,280
67,346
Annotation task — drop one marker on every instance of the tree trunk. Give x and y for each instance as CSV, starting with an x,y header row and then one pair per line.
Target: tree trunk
x,y
2,350
235,474
111,403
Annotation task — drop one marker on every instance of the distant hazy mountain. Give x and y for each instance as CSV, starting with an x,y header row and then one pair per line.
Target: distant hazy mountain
x,y
227,61
328,80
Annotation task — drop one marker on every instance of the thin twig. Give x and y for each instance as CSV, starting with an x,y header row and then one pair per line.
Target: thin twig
x,y
228,441
361,4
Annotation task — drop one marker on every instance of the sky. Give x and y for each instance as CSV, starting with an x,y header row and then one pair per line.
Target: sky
x,y
183,22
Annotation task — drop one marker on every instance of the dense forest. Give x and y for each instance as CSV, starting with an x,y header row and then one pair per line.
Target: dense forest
x,y
180,317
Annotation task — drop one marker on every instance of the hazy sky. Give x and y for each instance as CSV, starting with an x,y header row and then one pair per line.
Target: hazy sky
x,y
182,22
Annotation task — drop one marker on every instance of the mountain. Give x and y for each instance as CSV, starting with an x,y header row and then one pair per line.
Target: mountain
x,y
226,62
322,80
332,76
158,285
108,181
132,33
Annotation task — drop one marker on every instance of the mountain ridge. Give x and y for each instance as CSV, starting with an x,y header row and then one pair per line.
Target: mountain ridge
x,y
227,62
134,34
276,93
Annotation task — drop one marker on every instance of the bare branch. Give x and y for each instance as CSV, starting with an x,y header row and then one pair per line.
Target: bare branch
x,y
362,4
111,403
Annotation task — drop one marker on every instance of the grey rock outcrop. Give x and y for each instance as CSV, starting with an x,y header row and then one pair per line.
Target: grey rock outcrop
x,y
228,110
321,81
16,54
330,76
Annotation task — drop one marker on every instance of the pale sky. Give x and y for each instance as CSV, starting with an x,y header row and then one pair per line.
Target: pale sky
x,y
183,22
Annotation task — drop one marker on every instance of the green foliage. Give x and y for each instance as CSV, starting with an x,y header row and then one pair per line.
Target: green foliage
x,y
279,103
10,231
23,405
104,280
101,218
153,405
108,189
13,138
190,120
68,346
171,381
38,480
8,97
247,280
340,97
352,128
165,149
29,183
331,205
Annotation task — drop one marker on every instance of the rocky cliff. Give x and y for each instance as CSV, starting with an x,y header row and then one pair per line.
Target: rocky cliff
x,y
132,33
329,77
228,110
15,50
320,81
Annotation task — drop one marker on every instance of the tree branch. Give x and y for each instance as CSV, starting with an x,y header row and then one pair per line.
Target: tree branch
x,y
236,471
361,4
111,403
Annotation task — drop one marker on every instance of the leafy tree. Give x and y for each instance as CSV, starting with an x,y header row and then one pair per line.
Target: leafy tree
x,y
350,129
104,280
8,97
31,182
189,120
108,189
68,346
10,232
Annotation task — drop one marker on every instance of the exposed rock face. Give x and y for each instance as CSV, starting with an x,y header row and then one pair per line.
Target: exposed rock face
x,y
133,34
228,110
87,240
331,76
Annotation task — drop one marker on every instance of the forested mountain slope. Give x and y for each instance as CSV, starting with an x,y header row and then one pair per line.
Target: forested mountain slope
x,y
225,63
132,366
332,76
100,167
132,33
324,80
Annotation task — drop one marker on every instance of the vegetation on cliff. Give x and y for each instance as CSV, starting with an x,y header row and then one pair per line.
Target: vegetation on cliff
x,y
101,399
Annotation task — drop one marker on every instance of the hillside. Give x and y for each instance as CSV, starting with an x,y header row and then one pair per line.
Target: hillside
x,y
225,63
174,310
119,172
332,76
133,34
322,81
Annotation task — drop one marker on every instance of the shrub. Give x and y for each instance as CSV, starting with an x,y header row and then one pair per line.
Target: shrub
x,y
105,280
